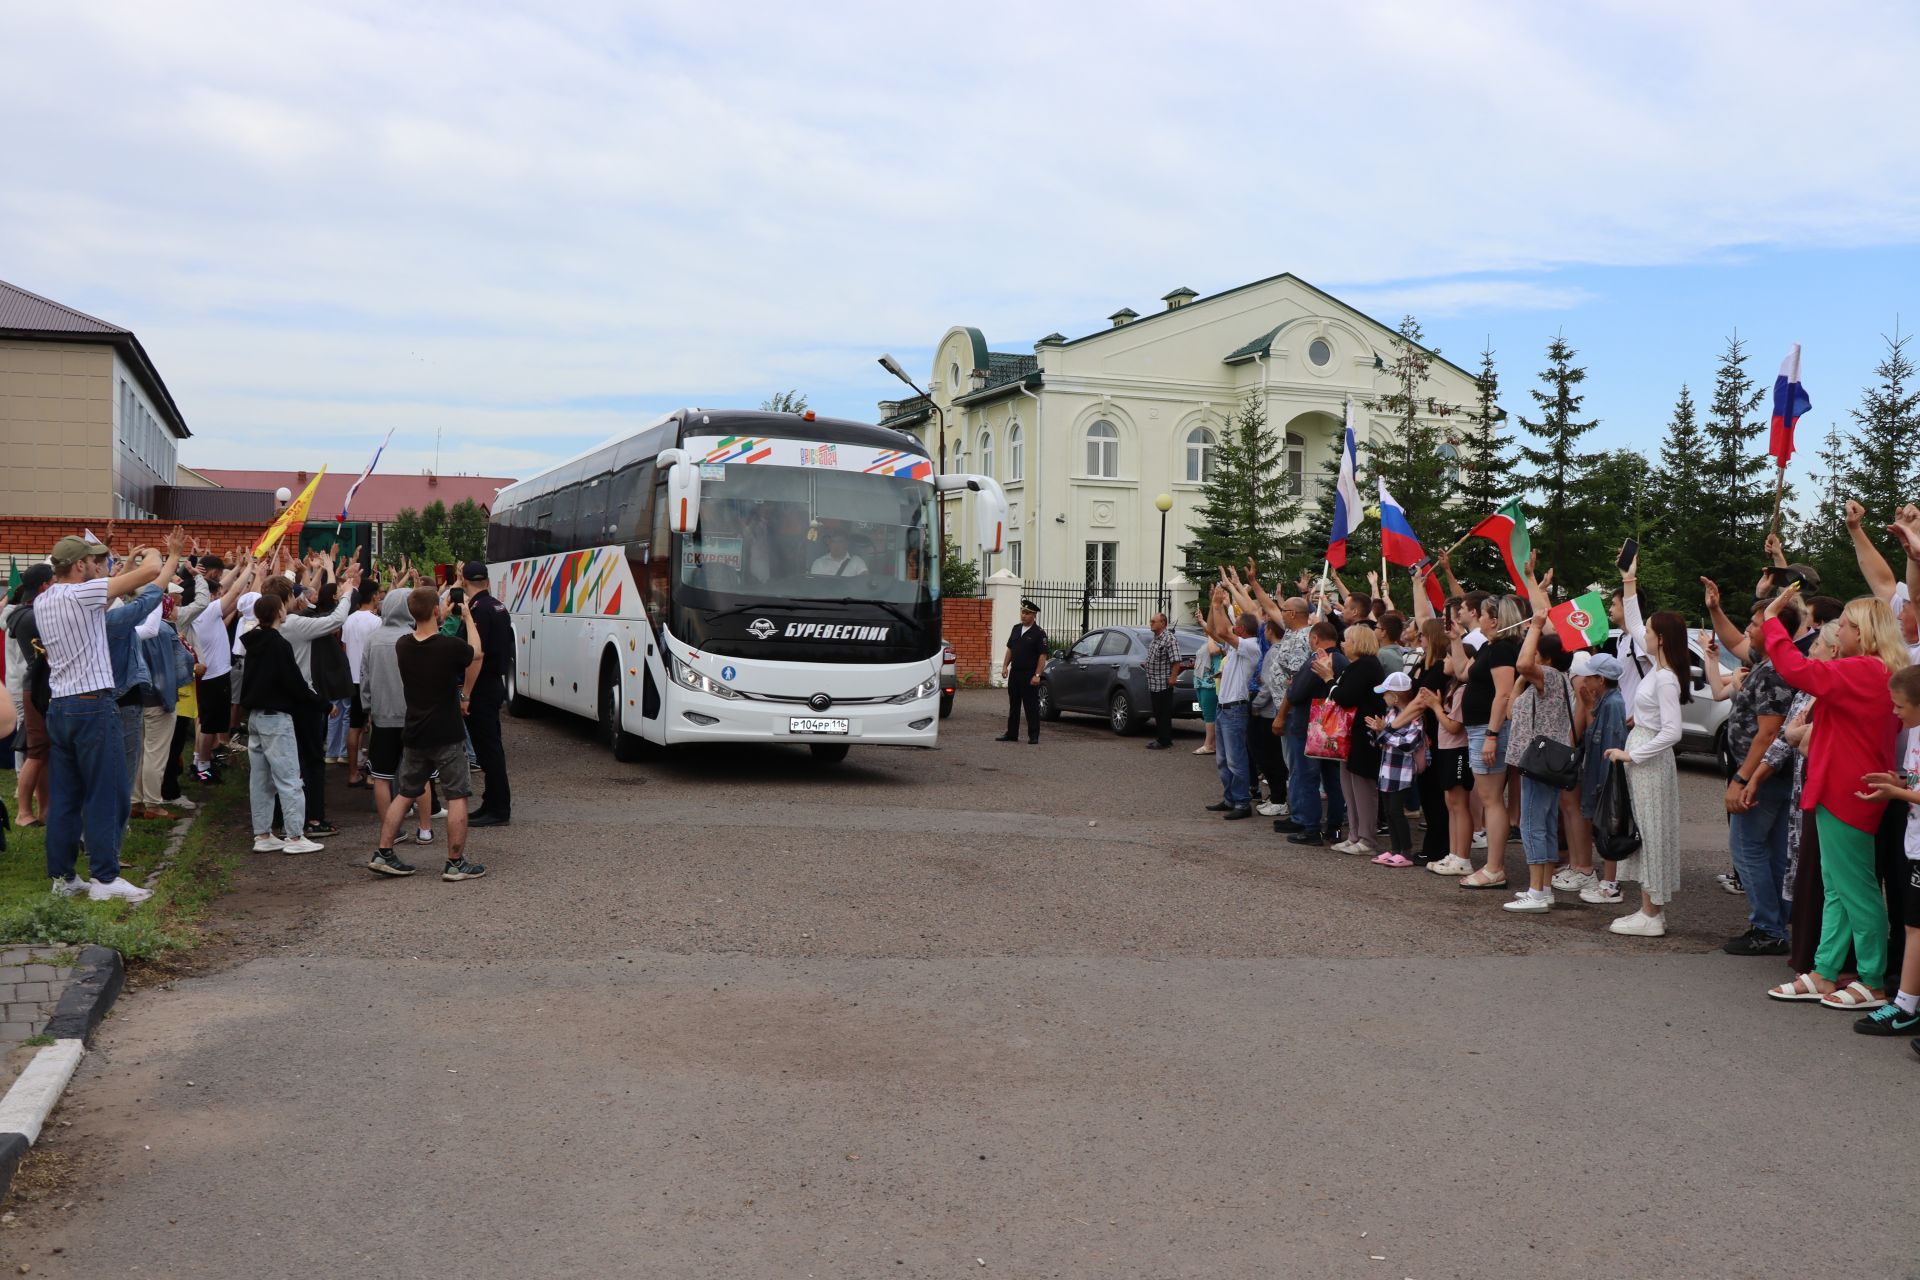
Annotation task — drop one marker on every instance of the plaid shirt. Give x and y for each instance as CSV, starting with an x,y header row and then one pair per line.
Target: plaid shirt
x,y
1161,654
1397,749
1763,694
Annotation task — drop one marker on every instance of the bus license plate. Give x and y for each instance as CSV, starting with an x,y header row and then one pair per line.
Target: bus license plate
x,y
814,724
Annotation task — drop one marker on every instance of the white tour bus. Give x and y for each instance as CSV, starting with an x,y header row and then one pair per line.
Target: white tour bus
x,y
734,577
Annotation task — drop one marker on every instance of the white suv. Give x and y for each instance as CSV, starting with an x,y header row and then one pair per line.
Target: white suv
x,y
1703,722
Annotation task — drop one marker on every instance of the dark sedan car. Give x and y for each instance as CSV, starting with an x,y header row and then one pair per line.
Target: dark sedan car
x,y
1103,674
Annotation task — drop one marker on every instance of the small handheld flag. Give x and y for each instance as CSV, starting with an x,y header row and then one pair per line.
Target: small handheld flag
x,y
1790,400
1581,623
1507,529
1347,513
1397,542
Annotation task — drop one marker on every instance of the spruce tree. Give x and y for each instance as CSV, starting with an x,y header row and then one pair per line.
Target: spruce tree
x,y
1669,559
1563,531
1731,483
1417,472
1363,544
1246,508
1876,465
1486,478
1623,496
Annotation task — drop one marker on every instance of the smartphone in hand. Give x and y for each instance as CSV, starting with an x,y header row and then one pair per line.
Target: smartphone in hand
x,y
1629,550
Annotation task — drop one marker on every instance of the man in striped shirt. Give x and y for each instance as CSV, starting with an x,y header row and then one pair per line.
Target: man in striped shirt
x,y
87,759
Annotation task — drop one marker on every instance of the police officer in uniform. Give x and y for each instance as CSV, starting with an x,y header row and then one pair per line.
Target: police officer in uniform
x,y
1020,668
495,629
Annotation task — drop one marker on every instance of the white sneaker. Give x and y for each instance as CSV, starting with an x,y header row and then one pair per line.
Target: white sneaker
x,y
1451,865
1641,925
183,804
302,845
1271,810
1600,892
1479,839
1526,901
440,813
118,887
69,888
268,844
1567,880
423,836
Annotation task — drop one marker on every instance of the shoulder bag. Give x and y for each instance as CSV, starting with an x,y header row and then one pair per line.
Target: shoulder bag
x,y
1549,760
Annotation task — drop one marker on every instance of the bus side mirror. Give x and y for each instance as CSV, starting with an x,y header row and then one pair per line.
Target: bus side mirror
x,y
683,491
989,508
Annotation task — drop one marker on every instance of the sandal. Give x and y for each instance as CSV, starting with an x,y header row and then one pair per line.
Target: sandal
x,y
1855,996
321,829
1481,880
1801,988
1393,860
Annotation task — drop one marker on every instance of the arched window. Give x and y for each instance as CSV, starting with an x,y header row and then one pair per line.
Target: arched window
x,y
1016,453
953,377
1200,442
1103,450
985,461
1451,458
1296,463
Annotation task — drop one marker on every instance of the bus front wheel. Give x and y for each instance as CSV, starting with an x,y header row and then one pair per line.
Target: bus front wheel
x,y
625,746
828,752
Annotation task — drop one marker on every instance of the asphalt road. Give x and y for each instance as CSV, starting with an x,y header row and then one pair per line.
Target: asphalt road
x,y
991,1009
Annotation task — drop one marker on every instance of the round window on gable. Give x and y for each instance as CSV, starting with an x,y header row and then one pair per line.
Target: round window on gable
x,y
953,376
1320,353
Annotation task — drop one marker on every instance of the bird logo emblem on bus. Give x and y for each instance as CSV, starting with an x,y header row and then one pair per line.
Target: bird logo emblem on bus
x,y
760,628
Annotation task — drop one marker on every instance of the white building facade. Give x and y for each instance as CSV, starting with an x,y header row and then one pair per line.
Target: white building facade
x,y
1086,433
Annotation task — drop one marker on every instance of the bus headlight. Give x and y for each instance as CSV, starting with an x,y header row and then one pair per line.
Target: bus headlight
x,y
691,679
925,689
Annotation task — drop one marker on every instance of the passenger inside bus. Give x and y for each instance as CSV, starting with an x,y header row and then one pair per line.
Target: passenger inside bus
x,y
839,561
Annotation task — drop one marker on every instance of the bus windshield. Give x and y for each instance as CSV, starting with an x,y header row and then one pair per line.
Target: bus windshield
x,y
809,534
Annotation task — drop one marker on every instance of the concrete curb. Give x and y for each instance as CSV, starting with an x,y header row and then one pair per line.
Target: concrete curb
x,y
97,978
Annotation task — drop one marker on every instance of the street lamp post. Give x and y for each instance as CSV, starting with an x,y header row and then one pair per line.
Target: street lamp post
x,y
892,366
1165,503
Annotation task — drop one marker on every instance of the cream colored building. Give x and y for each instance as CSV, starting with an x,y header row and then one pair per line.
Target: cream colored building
x,y
1085,433
87,428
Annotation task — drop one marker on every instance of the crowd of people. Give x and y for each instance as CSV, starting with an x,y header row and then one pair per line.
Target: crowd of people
x,y
132,680
1340,718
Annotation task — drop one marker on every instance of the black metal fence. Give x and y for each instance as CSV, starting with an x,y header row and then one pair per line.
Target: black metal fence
x,y
1068,610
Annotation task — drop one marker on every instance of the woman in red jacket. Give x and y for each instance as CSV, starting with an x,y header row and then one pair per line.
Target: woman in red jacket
x,y
1854,730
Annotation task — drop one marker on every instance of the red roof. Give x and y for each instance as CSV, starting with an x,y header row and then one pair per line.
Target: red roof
x,y
380,498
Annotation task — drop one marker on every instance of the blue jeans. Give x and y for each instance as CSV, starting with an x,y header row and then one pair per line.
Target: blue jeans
x,y
87,774
1539,821
337,729
1758,841
1230,742
1306,778
273,769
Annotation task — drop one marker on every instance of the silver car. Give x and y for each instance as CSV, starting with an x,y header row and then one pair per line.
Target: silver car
x,y
1703,722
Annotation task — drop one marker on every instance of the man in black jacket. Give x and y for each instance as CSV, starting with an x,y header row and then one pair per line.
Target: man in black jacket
x,y
272,694
1020,668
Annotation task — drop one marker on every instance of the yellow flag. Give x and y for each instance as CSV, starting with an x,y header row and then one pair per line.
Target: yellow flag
x,y
292,518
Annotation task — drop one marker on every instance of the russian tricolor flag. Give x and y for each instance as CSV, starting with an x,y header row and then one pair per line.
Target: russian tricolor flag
x,y
1789,402
1346,499
1397,542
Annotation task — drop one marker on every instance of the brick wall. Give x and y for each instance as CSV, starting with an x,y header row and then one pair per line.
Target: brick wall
x,y
34,536
967,622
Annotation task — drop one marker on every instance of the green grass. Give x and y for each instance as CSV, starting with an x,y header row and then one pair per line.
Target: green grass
x,y
166,922
37,1042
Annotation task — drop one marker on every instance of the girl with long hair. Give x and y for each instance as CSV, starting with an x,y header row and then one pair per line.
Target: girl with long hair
x,y
1652,780
1489,701
1854,734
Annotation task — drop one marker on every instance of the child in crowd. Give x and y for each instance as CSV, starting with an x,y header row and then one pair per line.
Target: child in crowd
x,y
1401,740
1902,1016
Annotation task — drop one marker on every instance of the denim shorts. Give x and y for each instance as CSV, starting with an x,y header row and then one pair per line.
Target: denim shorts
x,y
1476,748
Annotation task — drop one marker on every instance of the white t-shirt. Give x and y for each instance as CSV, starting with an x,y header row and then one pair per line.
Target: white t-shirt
x,y
210,643
244,606
354,633
1473,640
1910,765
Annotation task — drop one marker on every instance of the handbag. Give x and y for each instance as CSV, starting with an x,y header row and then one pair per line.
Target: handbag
x,y
1329,730
1551,761
1615,833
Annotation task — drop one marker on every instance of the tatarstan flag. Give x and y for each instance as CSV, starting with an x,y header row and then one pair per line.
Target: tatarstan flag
x,y
1581,623
1507,529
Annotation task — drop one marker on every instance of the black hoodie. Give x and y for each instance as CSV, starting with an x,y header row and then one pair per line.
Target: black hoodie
x,y
271,680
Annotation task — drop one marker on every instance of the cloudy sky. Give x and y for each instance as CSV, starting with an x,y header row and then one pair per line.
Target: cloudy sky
x,y
521,228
